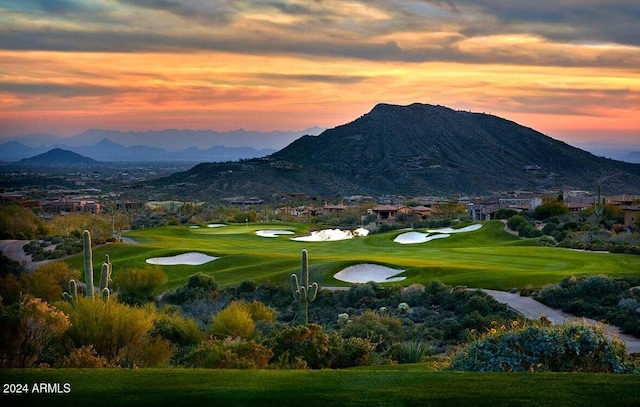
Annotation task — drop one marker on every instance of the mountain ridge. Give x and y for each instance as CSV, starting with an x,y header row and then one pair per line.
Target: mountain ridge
x,y
416,149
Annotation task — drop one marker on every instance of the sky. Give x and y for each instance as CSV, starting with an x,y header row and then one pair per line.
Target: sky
x,y
567,68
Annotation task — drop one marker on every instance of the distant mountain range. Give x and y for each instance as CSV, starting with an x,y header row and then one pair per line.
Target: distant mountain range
x,y
165,145
632,157
412,150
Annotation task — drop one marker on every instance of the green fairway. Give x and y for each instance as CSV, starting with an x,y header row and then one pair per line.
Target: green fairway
x,y
486,258
400,385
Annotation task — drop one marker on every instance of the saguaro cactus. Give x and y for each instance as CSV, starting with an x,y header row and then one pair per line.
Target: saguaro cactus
x,y
304,293
88,262
105,275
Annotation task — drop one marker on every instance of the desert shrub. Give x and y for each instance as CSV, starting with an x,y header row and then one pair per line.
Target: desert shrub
x,y
148,352
84,357
10,289
49,281
234,321
199,287
228,354
516,222
382,330
307,342
505,213
138,286
413,351
598,297
9,266
349,352
176,329
108,326
31,332
550,208
554,348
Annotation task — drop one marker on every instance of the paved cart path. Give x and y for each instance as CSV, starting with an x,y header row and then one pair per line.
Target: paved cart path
x,y
532,309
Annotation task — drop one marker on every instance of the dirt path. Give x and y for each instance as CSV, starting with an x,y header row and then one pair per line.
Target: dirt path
x,y
532,309
14,249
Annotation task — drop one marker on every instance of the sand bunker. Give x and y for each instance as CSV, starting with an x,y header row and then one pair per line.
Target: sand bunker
x,y
363,273
215,225
327,235
191,259
469,228
419,237
273,233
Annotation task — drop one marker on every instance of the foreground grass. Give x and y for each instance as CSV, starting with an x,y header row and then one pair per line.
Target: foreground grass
x,y
487,258
403,385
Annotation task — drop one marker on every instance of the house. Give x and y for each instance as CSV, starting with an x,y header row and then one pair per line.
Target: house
x,y
631,215
72,206
388,213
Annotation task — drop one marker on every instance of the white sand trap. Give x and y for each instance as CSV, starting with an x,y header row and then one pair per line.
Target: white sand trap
x,y
327,235
216,225
194,227
417,237
273,233
363,273
191,259
469,228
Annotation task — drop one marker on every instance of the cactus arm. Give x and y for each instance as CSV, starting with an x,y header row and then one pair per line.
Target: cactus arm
x,y
72,295
295,287
313,291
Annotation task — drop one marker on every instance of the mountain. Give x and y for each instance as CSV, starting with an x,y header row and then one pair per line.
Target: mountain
x,y
632,157
57,157
413,150
172,139
107,150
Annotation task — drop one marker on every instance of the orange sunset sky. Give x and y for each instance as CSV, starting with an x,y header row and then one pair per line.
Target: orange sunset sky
x,y
568,68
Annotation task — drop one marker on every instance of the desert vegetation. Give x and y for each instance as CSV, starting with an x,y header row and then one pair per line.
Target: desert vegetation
x,y
272,304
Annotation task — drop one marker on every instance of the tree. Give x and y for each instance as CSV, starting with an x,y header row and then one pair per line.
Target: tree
x,y
17,222
549,208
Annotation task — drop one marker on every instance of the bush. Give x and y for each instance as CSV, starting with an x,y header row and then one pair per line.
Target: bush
x,y
49,280
558,348
413,351
350,352
199,287
382,330
234,321
306,342
176,329
84,357
138,286
516,222
505,213
228,354
31,332
109,326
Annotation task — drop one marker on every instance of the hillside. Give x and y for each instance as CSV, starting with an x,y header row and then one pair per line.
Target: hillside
x,y
58,156
414,150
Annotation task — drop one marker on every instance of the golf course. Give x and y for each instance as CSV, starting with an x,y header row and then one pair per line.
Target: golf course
x,y
483,257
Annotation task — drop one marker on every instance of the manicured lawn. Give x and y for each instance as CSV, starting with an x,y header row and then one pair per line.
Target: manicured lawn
x,y
403,385
487,258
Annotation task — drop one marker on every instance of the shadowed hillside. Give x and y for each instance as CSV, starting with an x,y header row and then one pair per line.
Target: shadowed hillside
x,y
415,150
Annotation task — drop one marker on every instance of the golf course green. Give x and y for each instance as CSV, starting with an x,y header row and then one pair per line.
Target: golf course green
x,y
488,257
